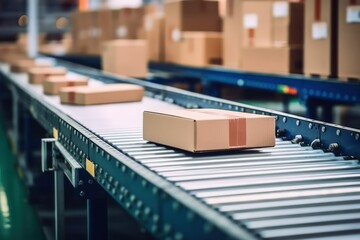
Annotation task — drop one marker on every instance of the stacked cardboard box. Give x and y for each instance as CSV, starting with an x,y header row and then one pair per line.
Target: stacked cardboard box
x,y
200,48
349,39
125,57
153,32
53,84
231,13
273,36
185,16
320,47
38,75
126,22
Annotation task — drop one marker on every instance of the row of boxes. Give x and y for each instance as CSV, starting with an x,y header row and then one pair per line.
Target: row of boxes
x,y
290,36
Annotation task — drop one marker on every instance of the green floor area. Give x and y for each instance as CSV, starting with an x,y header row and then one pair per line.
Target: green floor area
x,y
18,219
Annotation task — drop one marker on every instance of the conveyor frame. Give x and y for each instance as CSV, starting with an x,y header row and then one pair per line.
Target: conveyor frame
x,y
150,199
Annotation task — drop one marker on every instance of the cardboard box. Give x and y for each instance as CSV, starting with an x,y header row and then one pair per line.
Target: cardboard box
x,y
153,32
38,75
125,57
288,23
199,130
127,22
349,39
186,15
320,48
200,48
257,23
279,60
109,93
53,84
232,11
24,65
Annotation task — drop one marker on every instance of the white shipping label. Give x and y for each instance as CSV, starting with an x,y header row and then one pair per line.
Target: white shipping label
x,y
319,30
353,14
176,35
280,9
250,21
121,32
148,23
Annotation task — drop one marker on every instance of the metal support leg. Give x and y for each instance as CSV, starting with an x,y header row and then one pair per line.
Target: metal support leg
x,y
59,205
327,113
97,225
286,104
311,109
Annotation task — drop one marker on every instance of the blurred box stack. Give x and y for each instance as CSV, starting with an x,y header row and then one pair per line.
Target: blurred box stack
x,y
320,48
184,16
349,39
273,36
152,31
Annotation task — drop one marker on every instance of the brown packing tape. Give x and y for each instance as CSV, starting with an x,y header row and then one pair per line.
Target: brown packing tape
x,y
317,10
353,2
237,128
70,83
251,34
230,8
71,96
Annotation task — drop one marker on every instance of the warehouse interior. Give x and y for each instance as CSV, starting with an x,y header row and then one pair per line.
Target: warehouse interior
x,y
179,119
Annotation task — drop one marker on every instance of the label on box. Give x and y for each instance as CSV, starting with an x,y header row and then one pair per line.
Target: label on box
x,y
280,9
250,21
353,14
148,23
121,31
176,35
319,30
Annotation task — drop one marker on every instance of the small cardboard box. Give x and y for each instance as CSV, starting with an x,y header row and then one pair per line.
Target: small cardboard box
x,y
38,75
279,60
53,84
232,12
200,130
125,57
110,93
320,48
186,15
126,22
24,66
349,39
200,48
153,32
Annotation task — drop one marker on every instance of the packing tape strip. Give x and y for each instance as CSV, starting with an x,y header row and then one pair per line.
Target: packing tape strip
x,y
237,127
317,10
71,96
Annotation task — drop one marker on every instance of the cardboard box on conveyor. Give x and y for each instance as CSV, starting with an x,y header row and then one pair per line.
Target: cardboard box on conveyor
x,y
23,65
199,130
37,75
104,94
53,84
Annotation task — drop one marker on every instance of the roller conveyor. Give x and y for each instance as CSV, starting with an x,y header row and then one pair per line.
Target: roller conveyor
x,y
295,190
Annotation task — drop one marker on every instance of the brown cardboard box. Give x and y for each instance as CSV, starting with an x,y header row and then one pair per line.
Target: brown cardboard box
x,y
257,23
200,48
153,33
320,48
287,23
38,75
24,65
232,33
125,57
349,39
53,84
186,15
199,130
110,93
127,22
280,60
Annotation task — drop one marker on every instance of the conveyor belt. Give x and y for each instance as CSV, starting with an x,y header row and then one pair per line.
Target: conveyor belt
x,y
289,191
